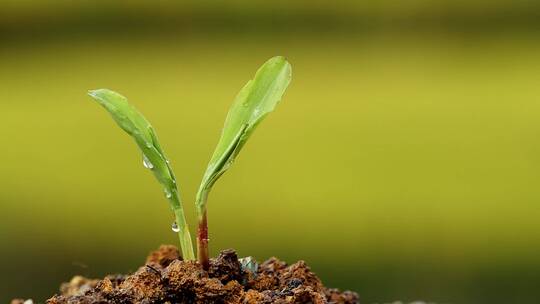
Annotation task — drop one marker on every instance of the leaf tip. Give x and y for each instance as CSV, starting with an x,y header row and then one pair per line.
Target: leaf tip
x,y
282,62
98,94
278,59
92,93
106,96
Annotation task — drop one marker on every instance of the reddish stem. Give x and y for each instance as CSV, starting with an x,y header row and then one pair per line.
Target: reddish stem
x,y
202,242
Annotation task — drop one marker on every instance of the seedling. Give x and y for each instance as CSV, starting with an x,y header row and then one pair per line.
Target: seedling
x,y
256,99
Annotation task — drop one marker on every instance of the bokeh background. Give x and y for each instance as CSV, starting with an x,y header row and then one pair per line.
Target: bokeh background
x,y
403,162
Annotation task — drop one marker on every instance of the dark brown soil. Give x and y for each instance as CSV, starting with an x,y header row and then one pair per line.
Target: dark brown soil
x,y
165,278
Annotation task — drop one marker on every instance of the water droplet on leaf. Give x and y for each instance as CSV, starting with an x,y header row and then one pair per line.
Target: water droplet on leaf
x,y
147,164
168,194
175,227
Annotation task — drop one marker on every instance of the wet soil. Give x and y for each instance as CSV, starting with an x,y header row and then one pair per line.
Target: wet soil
x,y
165,278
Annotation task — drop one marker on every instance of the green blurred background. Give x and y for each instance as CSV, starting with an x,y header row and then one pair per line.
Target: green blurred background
x,y
403,163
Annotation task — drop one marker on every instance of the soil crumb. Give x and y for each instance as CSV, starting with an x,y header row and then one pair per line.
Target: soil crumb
x,y
165,278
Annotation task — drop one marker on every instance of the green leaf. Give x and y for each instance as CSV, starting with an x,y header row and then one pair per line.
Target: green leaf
x,y
256,99
134,123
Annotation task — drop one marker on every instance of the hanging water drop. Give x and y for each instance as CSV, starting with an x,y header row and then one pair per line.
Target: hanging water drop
x,y
168,193
175,227
147,164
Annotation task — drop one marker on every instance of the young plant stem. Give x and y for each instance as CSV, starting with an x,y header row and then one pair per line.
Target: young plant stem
x,y
183,234
202,242
202,232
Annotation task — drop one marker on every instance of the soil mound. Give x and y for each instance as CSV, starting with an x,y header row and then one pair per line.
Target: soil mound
x,y
165,278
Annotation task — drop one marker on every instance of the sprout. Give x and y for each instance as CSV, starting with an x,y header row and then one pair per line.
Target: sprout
x,y
256,99
134,123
